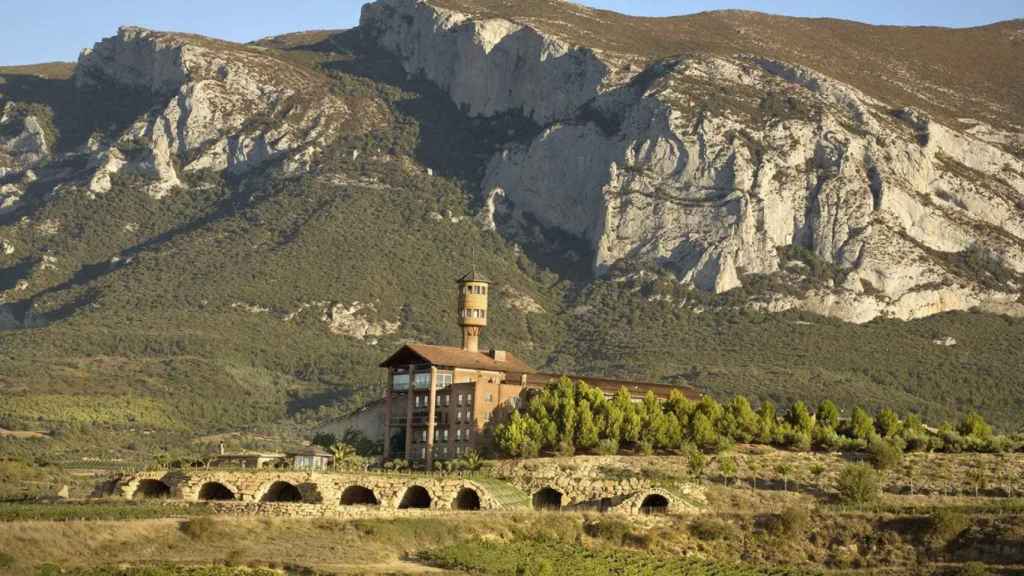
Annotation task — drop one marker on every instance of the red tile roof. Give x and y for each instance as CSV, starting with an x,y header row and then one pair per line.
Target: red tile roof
x,y
416,352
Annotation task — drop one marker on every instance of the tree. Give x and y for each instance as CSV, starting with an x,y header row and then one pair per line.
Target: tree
x,y
858,484
695,464
799,417
325,440
727,464
862,426
631,423
768,424
343,454
516,437
703,432
586,430
888,423
828,414
784,469
681,406
744,423
974,426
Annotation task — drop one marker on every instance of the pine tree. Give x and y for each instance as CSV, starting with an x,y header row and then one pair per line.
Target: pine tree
x,y
828,414
586,430
799,417
862,426
888,423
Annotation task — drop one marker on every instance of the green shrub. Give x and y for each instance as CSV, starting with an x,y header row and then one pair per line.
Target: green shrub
x,y
944,526
883,454
6,560
858,484
608,447
791,522
617,532
709,529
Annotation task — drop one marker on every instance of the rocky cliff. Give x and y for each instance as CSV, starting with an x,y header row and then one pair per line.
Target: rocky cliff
x,y
715,166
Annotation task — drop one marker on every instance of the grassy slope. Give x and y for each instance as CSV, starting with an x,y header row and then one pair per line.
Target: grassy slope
x,y
156,343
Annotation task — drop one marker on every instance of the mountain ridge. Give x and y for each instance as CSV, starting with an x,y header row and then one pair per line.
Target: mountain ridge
x,y
262,298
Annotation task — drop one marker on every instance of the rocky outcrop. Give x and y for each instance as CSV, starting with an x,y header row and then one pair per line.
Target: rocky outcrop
x,y
24,139
355,321
712,166
488,66
220,107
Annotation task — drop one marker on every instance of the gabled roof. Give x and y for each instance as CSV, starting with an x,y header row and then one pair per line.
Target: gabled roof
x,y
474,276
417,353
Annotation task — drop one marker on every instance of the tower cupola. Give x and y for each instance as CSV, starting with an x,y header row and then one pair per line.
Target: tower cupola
x,y
472,309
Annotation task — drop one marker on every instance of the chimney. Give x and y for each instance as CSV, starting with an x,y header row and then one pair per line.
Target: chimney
x,y
222,448
498,355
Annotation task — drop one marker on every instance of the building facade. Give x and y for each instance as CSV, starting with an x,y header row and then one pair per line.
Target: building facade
x,y
440,400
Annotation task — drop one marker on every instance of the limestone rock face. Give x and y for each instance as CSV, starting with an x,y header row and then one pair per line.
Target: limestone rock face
x,y
488,66
27,142
221,107
712,166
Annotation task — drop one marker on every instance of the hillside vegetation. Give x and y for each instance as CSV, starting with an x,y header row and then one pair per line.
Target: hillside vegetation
x,y
145,323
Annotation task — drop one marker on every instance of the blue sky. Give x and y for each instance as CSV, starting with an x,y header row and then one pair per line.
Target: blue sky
x,y
46,30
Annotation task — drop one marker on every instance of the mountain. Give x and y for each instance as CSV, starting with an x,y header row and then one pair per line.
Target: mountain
x,y
198,236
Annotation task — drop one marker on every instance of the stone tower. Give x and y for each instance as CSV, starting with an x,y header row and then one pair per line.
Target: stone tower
x,y
472,309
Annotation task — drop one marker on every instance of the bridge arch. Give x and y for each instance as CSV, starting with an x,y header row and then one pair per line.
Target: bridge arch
x,y
281,491
547,498
654,503
356,495
214,490
468,498
415,496
149,488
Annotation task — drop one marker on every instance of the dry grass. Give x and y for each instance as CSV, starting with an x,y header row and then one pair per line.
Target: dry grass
x,y
320,544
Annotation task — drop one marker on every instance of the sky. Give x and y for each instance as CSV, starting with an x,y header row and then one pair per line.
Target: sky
x,y
33,31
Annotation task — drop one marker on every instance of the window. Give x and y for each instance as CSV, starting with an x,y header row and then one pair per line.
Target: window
x,y
423,435
458,451
459,401
423,453
423,380
399,381
444,450
458,435
469,399
444,379
444,434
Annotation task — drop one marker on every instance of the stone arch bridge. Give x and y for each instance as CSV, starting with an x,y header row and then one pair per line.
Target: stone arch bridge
x,y
298,493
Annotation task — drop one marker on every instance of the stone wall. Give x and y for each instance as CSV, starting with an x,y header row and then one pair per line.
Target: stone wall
x,y
320,494
320,489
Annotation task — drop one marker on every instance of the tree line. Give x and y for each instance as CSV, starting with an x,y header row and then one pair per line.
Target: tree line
x,y
567,417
